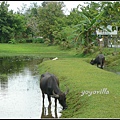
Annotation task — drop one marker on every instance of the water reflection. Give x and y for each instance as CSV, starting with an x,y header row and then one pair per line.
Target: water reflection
x,y
15,64
47,113
3,83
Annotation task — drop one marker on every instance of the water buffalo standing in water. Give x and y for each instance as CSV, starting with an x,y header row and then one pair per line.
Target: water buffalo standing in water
x,y
49,85
99,60
44,113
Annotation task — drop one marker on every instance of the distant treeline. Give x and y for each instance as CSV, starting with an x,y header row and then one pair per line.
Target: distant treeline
x,y
47,23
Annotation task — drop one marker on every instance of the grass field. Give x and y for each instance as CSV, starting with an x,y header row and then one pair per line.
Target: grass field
x,y
80,77
33,50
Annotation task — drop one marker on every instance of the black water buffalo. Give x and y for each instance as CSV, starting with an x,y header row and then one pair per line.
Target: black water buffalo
x,y
49,85
48,114
99,60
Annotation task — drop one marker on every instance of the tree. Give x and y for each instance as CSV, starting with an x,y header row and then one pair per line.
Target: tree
x,y
19,25
50,16
74,18
65,37
31,16
87,28
12,24
6,18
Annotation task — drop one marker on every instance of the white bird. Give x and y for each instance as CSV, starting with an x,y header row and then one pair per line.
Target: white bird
x,y
55,58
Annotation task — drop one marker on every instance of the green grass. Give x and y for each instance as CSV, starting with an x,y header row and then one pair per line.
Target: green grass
x,y
33,49
78,75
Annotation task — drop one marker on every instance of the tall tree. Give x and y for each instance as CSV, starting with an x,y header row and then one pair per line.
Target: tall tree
x,y
12,24
6,18
74,18
19,26
50,19
32,20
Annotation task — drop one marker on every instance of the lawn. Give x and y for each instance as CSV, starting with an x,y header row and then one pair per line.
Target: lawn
x,y
81,77
33,49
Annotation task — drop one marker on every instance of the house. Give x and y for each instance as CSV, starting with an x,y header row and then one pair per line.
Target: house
x,y
106,32
106,35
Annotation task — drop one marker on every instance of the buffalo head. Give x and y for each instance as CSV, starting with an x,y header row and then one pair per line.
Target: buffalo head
x,y
92,62
61,98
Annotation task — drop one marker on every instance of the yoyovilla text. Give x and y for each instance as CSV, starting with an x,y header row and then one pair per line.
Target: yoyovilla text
x,y
89,93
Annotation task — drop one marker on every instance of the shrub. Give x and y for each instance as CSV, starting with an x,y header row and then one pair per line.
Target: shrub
x,y
38,40
65,45
47,41
12,41
22,40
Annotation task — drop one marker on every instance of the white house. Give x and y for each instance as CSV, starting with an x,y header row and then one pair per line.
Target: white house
x,y
105,32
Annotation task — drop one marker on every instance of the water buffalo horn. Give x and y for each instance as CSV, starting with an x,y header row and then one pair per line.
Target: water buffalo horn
x,y
67,91
55,95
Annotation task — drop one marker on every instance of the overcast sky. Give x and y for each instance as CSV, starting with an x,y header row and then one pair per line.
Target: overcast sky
x,y
69,4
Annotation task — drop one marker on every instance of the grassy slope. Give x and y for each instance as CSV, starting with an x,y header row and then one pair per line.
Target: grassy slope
x,y
79,76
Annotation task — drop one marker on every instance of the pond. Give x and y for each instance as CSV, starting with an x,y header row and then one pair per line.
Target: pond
x,y
20,94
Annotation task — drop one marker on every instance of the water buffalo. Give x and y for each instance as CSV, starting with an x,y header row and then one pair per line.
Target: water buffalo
x,y
48,114
49,85
99,60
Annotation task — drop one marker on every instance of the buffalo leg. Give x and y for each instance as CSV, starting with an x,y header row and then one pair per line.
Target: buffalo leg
x,y
97,65
55,101
102,64
43,97
49,99
56,116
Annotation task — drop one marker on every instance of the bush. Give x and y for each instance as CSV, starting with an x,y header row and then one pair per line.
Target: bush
x,y
47,41
38,40
66,45
12,41
56,42
90,49
22,41
29,41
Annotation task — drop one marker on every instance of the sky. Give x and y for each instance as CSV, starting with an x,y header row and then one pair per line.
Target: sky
x,y
69,4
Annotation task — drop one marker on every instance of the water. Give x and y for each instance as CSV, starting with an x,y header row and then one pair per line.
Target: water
x,y
118,73
20,94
